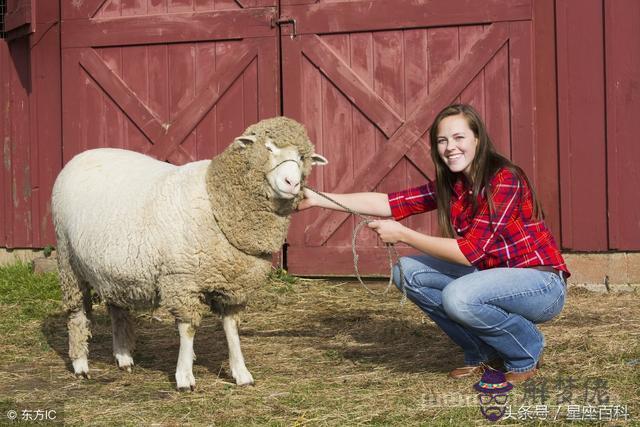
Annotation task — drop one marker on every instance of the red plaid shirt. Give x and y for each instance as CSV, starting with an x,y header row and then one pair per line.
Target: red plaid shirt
x,y
509,237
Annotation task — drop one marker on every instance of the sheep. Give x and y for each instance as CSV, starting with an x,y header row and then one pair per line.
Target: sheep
x,y
144,233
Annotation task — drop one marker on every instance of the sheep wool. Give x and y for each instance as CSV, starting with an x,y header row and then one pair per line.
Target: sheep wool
x,y
191,238
259,225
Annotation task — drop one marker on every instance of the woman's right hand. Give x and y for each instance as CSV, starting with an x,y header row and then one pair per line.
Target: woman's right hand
x,y
308,201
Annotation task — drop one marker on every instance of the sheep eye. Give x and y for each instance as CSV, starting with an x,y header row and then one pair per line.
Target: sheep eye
x,y
270,149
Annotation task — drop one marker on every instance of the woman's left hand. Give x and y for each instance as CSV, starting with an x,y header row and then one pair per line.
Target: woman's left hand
x,y
390,231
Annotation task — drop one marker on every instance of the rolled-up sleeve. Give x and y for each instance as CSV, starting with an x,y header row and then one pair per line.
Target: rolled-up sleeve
x,y
486,227
413,201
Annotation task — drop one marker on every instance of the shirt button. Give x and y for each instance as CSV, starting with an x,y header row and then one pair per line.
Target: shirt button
x,y
459,230
470,192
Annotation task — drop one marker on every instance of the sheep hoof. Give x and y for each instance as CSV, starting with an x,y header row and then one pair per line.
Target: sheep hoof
x,y
243,378
81,368
124,362
83,376
185,389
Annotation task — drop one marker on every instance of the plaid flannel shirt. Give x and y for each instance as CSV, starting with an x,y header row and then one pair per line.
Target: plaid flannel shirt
x,y
508,237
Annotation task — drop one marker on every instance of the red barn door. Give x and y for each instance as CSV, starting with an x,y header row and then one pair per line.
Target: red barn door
x,y
174,79
368,77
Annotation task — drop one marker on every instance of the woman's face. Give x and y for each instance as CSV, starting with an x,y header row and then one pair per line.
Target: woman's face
x,y
456,143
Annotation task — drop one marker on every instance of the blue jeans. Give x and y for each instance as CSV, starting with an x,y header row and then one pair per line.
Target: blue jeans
x,y
488,313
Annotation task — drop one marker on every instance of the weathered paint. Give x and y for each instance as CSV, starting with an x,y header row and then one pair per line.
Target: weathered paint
x,y
582,126
182,78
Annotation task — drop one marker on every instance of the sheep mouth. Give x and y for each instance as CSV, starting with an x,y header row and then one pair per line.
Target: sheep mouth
x,y
286,194
280,193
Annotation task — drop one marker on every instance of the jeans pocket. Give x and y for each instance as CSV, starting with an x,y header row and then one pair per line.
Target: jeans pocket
x,y
556,307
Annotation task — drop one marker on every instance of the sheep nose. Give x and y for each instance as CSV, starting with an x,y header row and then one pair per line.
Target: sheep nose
x,y
292,183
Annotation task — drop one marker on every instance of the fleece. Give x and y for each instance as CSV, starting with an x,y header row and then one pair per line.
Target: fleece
x,y
142,233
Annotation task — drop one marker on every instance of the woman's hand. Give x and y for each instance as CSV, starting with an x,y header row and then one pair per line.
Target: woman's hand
x,y
308,201
390,231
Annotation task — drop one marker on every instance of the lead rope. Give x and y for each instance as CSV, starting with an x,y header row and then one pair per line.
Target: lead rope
x,y
391,250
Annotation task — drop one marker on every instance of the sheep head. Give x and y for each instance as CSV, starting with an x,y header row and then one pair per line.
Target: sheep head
x,y
255,184
285,154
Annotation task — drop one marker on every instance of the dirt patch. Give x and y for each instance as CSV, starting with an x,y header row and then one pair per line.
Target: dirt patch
x,y
322,353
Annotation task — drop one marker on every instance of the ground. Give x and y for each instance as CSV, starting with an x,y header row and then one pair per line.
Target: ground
x,y
322,352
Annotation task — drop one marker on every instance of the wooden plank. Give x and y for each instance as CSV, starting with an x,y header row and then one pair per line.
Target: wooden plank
x,y
72,105
442,93
497,105
170,28
80,9
5,120
20,227
389,81
18,13
206,137
230,108
188,118
269,85
133,7
48,132
622,47
366,136
135,72
102,109
303,102
182,92
523,151
256,3
337,131
581,115
546,114
338,261
356,90
122,95
384,15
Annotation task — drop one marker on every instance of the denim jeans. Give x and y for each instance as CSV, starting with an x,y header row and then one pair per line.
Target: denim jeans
x,y
488,313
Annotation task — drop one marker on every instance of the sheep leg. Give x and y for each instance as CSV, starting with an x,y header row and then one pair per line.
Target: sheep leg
x,y
185,380
123,337
238,369
75,298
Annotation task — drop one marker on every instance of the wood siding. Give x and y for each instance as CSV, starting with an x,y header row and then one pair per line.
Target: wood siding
x,y
557,82
31,130
368,97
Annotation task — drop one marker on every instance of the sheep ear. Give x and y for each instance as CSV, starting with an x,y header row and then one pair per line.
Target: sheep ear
x,y
244,141
317,159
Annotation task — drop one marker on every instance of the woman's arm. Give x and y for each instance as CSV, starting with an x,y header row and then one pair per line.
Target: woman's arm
x,y
440,247
376,204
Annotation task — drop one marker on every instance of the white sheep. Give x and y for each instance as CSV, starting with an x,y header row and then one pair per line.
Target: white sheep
x,y
145,233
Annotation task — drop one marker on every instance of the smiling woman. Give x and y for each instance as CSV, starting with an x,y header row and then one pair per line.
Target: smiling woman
x,y
496,270
456,144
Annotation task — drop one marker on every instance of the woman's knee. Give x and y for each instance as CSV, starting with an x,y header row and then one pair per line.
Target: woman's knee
x,y
458,304
405,270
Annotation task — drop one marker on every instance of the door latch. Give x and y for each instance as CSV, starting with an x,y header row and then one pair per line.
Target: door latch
x,y
283,21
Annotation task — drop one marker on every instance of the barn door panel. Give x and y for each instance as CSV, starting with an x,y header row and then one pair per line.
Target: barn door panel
x,y
368,82
175,80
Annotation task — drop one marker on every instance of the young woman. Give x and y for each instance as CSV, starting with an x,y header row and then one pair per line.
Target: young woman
x,y
496,271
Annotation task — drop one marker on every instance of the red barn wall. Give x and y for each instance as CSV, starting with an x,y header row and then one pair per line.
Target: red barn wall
x,y
582,63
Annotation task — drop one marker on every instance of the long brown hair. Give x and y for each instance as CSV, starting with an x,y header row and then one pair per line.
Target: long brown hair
x,y
486,163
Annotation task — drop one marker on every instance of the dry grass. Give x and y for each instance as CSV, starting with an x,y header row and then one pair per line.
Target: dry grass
x,y
322,353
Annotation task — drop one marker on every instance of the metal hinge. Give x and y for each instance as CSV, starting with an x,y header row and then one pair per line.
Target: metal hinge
x,y
285,20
